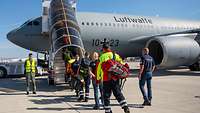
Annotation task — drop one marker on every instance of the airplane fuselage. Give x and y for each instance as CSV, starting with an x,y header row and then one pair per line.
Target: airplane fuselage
x,y
122,32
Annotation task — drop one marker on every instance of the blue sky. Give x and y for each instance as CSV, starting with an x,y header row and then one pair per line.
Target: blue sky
x,y
16,12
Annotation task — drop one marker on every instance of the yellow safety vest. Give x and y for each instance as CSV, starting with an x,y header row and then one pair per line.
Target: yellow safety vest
x,y
103,58
30,66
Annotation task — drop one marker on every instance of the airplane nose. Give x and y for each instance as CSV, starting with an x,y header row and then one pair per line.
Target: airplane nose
x,y
11,35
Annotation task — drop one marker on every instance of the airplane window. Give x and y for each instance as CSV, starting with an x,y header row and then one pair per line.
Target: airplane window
x,y
118,25
36,23
105,24
30,23
92,23
101,24
114,24
109,24
97,24
88,23
83,23
133,25
122,25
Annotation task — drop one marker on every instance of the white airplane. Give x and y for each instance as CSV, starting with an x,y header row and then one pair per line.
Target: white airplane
x,y
171,42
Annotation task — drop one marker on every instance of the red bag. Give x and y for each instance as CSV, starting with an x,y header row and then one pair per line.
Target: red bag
x,y
117,69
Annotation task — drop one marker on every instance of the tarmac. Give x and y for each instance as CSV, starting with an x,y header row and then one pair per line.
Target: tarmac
x,y
174,91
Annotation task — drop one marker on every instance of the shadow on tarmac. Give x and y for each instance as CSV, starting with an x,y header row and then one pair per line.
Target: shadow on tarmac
x,y
67,100
10,86
50,109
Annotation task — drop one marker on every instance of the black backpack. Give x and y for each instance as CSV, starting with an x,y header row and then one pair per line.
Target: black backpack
x,y
84,67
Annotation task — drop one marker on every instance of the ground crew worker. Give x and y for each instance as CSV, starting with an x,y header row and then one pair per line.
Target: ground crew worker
x,y
67,57
75,83
85,75
30,69
110,84
147,66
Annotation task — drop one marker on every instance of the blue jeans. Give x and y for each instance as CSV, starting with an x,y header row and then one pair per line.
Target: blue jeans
x,y
96,93
146,77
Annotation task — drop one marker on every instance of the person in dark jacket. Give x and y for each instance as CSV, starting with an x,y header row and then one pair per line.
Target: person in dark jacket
x,y
84,73
75,82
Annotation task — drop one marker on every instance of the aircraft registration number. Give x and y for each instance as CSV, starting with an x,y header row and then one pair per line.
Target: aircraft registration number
x,y
111,42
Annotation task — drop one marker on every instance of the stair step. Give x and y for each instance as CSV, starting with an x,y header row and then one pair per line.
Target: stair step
x,y
60,71
60,78
59,67
58,58
59,63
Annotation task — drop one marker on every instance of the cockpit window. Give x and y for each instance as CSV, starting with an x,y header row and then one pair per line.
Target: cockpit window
x,y
30,23
36,23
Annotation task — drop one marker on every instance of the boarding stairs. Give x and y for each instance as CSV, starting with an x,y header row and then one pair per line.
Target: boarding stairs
x,y
64,34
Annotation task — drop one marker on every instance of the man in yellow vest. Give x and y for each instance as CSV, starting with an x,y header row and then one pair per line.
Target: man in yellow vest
x,y
30,70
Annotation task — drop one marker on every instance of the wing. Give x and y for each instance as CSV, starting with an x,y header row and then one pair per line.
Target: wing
x,y
146,38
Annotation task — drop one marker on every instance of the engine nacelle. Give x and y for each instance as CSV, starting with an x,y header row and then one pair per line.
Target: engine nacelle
x,y
173,51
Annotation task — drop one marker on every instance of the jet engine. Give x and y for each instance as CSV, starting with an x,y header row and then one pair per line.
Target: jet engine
x,y
173,51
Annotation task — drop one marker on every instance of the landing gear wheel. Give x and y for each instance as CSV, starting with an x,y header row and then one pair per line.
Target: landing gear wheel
x,y
51,82
3,72
195,66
